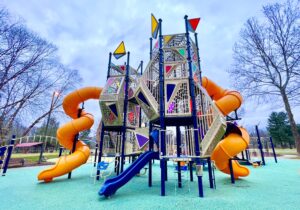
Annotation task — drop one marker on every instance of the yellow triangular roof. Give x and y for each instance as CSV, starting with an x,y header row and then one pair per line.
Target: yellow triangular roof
x,y
120,49
154,26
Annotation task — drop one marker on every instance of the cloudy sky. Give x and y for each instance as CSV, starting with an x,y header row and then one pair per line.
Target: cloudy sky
x,y
86,31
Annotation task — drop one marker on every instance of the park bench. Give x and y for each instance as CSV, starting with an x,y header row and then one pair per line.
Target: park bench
x,y
14,162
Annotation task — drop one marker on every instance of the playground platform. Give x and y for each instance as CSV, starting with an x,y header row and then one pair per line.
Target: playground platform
x,y
275,186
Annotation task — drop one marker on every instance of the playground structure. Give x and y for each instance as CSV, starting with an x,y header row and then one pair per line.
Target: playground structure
x,y
174,96
121,134
172,93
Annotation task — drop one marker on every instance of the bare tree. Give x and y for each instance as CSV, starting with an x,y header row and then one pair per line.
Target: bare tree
x,y
63,83
30,71
267,58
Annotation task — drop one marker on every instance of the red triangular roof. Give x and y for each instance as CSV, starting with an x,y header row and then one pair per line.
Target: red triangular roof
x,y
194,23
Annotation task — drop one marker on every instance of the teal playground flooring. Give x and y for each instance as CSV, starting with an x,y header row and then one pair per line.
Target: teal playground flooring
x,y
275,186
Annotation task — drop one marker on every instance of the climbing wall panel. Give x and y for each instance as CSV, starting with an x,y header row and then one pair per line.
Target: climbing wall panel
x,y
112,113
177,99
112,101
176,70
147,102
112,89
133,115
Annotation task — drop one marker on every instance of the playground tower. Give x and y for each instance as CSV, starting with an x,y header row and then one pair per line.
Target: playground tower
x,y
120,116
170,94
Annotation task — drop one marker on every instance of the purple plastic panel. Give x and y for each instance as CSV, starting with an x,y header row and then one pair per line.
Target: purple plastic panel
x,y
142,140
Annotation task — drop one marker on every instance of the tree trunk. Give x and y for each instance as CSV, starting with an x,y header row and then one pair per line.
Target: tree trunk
x,y
295,133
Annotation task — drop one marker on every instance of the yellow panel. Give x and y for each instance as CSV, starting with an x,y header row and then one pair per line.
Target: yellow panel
x,y
167,38
120,49
154,26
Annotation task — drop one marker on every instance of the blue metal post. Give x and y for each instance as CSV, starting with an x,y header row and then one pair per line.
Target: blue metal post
x,y
61,149
210,175
214,178
191,171
100,148
9,152
96,151
200,186
118,151
273,149
150,162
140,117
162,111
231,171
243,157
125,112
178,142
192,94
151,48
109,64
142,63
260,146
247,155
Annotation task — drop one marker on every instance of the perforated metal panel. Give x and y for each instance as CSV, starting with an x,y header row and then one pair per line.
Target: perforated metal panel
x,y
150,108
177,98
147,93
112,89
108,116
176,40
211,123
133,115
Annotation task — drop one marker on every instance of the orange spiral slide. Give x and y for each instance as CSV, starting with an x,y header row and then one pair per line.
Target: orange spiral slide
x,y
67,132
229,147
234,142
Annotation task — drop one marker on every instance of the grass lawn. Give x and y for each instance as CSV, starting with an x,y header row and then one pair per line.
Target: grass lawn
x,y
34,157
280,151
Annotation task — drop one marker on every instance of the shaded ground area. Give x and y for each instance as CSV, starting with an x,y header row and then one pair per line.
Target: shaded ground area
x,y
275,186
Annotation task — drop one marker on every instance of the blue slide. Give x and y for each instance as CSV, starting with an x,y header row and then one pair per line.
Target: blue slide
x,y
110,186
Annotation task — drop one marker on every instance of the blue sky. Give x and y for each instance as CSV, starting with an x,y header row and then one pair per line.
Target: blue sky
x,y
86,31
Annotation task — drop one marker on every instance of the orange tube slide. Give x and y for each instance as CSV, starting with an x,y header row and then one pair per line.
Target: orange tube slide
x,y
227,101
67,132
229,147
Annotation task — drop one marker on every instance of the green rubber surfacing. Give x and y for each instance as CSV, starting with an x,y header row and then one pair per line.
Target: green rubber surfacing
x,y
275,186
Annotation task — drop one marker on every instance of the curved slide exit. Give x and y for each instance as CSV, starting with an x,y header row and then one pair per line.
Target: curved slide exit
x,y
229,147
67,132
110,186
234,142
